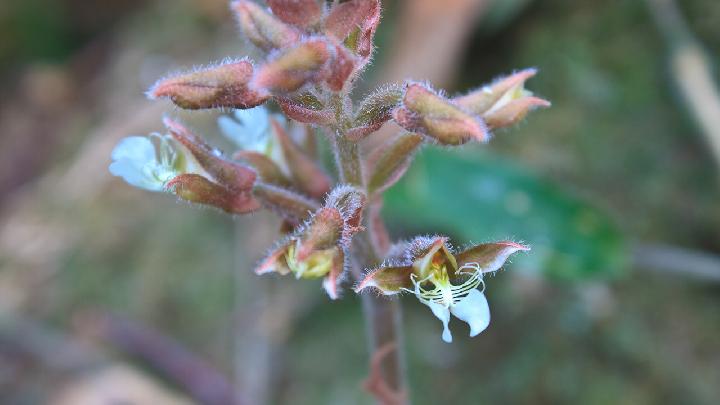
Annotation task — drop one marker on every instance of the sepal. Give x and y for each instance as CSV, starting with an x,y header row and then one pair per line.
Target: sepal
x,y
263,29
301,13
232,175
490,257
198,189
354,23
306,108
503,102
220,86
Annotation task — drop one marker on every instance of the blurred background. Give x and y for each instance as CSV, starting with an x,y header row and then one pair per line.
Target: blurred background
x,y
112,295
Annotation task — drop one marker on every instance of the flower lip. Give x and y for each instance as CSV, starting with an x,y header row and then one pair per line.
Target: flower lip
x,y
442,291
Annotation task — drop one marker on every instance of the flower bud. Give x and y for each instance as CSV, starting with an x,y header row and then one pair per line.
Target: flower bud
x,y
324,231
295,67
232,175
317,248
504,102
197,189
354,22
391,160
304,172
375,110
224,85
302,13
305,108
350,202
263,29
428,113
341,68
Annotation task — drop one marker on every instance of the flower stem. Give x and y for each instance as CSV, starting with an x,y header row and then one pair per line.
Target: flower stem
x,y
383,317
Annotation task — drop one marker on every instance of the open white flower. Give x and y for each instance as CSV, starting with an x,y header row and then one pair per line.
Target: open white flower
x,y
463,300
148,162
448,283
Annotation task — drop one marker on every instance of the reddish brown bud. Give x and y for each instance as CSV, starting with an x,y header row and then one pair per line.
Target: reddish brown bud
x,y
303,13
350,202
425,112
323,232
354,22
294,67
263,29
306,109
232,175
284,202
197,189
504,102
341,68
304,171
391,160
266,168
224,85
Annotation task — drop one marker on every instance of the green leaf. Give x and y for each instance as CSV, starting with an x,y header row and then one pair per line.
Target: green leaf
x,y
479,198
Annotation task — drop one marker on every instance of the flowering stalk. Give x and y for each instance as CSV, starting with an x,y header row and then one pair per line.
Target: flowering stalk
x,y
314,51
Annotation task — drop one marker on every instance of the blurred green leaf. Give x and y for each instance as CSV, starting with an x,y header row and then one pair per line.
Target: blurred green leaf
x,y
482,197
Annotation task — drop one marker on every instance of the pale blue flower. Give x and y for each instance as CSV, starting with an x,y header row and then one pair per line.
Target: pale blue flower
x,y
148,162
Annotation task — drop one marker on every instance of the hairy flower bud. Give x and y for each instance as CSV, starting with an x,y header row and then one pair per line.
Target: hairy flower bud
x,y
375,110
305,108
317,249
295,67
263,29
504,102
341,68
350,202
224,85
354,23
232,175
302,13
198,189
428,113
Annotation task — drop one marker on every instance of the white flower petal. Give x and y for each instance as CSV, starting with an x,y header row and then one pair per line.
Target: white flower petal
x,y
135,160
443,314
135,176
137,148
474,310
